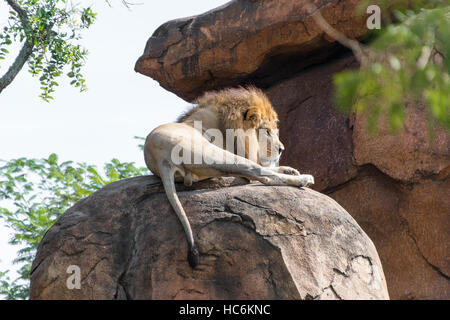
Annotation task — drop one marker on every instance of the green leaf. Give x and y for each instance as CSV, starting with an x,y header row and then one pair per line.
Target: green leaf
x,y
53,159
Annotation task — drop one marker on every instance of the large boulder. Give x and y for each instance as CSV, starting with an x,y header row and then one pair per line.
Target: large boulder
x,y
256,242
395,185
242,41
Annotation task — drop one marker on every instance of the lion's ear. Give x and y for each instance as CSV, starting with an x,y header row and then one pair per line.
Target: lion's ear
x,y
252,116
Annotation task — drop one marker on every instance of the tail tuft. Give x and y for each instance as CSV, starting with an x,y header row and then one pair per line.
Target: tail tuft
x,y
193,256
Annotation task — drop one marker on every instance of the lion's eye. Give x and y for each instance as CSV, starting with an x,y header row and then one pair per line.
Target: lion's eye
x,y
265,130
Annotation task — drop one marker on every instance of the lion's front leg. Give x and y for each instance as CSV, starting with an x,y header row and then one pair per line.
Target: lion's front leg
x,y
301,180
305,180
270,176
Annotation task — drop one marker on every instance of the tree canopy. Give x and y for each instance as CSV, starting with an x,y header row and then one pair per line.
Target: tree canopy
x,y
34,193
49,31
406,62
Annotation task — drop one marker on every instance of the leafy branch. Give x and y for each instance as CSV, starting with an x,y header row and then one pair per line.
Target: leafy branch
x,y
49,30
406,63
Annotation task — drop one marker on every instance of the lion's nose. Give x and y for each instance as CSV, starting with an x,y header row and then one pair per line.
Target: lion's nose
x,y
281,149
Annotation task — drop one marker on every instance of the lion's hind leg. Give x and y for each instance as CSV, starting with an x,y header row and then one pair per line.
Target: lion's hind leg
x,y
188,178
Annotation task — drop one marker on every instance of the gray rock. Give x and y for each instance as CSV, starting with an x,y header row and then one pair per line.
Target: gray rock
x,y
256,242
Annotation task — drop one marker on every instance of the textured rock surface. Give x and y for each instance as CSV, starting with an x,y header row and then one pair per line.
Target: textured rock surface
x,y
317,137
256,242
395,185
408,155
409,228
409,190
243,41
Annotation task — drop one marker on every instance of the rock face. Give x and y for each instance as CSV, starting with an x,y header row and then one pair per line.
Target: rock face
x,y
409,225
256,242
408,155
244,40
395,185
317,137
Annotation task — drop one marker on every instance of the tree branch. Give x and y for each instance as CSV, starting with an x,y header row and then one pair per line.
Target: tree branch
x,y
354,45
125,3
24,53
17,65
21,12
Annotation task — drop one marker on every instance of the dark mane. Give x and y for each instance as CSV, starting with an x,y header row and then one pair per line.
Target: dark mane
x,y
182,117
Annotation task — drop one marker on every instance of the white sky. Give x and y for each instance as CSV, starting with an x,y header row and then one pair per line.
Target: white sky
x,y
97,125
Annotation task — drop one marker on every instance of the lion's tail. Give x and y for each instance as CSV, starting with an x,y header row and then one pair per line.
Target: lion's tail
x,y
167,176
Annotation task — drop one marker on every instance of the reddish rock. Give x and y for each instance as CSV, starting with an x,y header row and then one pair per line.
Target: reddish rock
x,y
406,155
426,210
416,256
409,229
317,136
243,41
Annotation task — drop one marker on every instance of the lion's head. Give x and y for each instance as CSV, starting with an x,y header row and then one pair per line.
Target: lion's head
x,y
248,113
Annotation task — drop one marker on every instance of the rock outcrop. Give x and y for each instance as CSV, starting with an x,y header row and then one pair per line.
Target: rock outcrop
x,y
256,242
241,41
395,185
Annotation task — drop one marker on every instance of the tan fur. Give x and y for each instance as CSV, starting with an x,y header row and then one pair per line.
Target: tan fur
x,y
231,105
237,108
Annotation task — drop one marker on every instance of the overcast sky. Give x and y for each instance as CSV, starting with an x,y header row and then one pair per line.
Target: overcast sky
x,y
97,125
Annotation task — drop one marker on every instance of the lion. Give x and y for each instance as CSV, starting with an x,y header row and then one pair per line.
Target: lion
x,y
183,151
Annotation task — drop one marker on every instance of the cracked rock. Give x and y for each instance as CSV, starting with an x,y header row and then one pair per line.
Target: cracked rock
x,y
255,241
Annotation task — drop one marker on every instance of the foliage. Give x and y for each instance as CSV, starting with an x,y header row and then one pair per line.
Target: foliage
x,y
35,193
140,146
12,290
411,65
50,29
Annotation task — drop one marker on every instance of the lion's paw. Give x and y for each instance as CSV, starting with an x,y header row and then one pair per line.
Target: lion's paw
x,y
289,171
306,180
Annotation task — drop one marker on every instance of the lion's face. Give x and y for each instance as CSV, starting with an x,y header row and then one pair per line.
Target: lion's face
x,y
264,120
270,147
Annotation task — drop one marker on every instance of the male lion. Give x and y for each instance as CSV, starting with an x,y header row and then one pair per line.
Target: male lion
x,y
183,151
